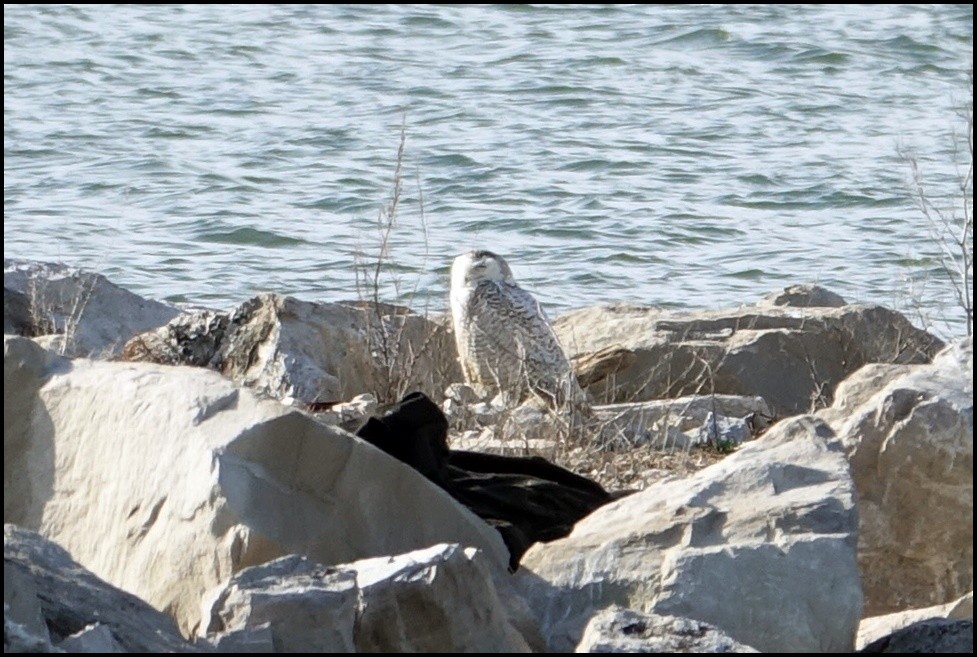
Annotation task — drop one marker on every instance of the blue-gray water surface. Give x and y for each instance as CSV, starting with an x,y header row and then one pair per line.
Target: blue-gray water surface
x,y
682,156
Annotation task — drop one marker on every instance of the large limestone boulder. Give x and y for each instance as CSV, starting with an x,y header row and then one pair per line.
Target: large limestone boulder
x,y
17,318
440,599
909,434
628,631
761,545
90,315
47,595
165,481
792,356
310,352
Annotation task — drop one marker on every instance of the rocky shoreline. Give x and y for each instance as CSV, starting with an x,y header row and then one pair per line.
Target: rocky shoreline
x,y
187,480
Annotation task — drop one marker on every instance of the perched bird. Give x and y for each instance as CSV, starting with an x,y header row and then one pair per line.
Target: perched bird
x,y
505,343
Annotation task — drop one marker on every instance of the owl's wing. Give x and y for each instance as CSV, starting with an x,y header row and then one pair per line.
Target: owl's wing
x,y
523,330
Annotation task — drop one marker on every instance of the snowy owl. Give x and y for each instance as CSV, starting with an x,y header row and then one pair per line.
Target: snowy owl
x,y
505,343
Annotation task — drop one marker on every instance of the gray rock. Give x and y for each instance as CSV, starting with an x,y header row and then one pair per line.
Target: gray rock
x,y
257,638
16,313
94,638
72,599
289,604
191,338
94,316
761,544
18,638
627,631
440,599
805,296
933,636
871,630
22,609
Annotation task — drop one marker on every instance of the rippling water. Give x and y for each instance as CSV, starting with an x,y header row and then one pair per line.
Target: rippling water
x,y
671,155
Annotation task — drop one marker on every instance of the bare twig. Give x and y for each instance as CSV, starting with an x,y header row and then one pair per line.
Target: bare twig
x,y
404,346
952,229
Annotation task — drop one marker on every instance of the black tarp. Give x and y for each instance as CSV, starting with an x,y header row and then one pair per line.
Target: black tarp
x,y
527,499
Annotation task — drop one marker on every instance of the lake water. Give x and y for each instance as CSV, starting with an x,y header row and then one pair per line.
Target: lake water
x,y
670,155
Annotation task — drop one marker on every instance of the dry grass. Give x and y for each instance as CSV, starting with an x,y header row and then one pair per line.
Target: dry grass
x,y
54,311
639,467
632,462
402,342
596,446
950,228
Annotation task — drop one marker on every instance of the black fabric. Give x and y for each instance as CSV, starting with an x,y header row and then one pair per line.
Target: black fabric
x,y
527,499
414,431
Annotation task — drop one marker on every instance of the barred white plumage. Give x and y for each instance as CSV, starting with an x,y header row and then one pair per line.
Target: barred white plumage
x,y
505,342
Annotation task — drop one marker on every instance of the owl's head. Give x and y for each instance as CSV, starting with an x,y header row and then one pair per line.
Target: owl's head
x,y
476,266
